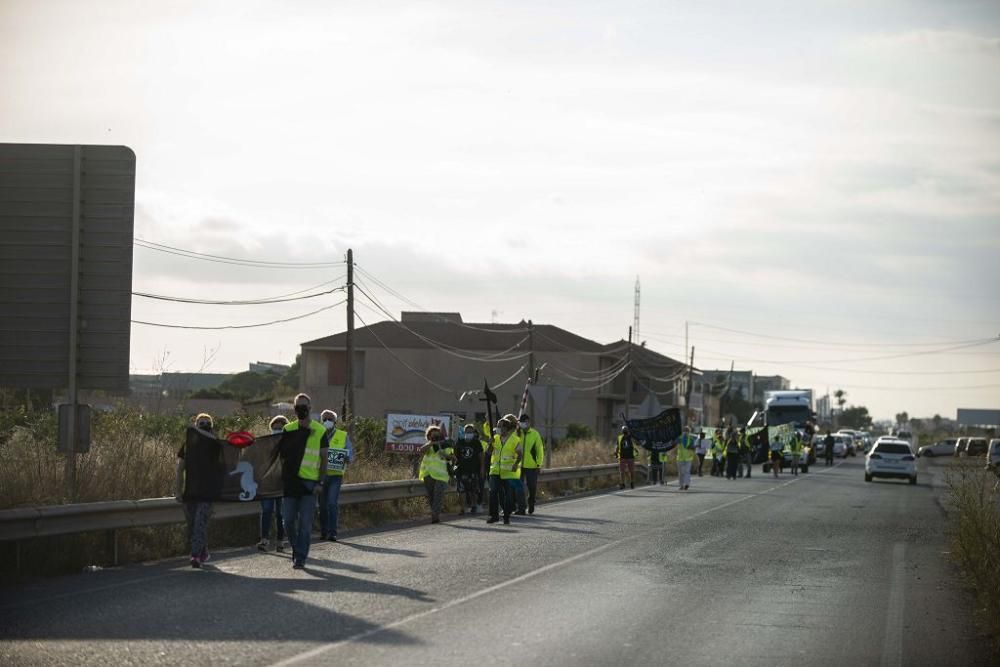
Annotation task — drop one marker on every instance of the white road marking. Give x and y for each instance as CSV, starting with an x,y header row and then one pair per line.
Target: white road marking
x,y
892,644
314,652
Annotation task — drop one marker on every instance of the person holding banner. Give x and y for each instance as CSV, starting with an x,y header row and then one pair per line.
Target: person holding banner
x,y
625,453
746,451
437,453
197,491
271,507
505,462
656,459
338,454
718,450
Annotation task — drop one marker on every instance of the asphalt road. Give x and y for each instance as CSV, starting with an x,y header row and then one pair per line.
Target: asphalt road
x,y
820,569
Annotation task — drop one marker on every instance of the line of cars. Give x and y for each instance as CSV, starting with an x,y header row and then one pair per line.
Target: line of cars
x,y
958,447
846,442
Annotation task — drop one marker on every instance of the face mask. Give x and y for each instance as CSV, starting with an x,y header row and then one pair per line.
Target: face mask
x,y
328,424
524,426
302,411
276,431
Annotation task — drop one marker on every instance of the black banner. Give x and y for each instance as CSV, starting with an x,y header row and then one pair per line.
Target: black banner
x,y
222,471
659,433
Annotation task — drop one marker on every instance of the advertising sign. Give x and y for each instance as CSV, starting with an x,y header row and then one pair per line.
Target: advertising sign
x,y
405,433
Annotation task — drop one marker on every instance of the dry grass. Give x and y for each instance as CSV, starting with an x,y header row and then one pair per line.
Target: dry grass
x,y
976,539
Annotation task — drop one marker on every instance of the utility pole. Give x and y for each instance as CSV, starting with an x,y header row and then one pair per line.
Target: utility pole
x,y
349,412
690,384
686,347
531,366
628,374
635,323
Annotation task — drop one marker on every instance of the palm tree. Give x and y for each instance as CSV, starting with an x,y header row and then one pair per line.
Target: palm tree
x,y
839,395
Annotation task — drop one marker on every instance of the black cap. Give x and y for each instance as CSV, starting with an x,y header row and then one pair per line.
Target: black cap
x,y
524,417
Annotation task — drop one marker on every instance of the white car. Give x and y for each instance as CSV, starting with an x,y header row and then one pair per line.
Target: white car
x,y
891,458
939,448
993,455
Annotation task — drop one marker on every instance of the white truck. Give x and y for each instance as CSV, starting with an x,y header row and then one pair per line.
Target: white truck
x,y
784,407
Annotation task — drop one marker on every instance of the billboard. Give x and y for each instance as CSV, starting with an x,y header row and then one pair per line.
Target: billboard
x,y
971,417
405,433
66,219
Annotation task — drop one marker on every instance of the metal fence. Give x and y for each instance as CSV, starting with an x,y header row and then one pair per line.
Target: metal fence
x,y
33,522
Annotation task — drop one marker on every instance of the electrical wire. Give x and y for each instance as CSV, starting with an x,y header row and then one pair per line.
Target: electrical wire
x,y
835,343
252,302
609,351
239,326
407,301
191,254
608,372
451,349
396,357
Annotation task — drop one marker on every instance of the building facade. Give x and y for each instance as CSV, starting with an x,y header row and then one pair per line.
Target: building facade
x,y
435,363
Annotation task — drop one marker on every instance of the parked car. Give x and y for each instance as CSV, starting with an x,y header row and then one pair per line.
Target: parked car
x,y
891,458
940,448
960,446
993,456
839,445
976,447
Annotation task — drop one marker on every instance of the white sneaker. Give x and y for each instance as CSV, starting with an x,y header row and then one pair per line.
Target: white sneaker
x,y
262,545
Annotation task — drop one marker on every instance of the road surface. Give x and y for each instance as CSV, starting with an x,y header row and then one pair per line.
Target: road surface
x,y
820,569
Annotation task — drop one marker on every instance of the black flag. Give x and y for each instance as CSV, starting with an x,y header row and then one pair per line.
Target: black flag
x,y
659,433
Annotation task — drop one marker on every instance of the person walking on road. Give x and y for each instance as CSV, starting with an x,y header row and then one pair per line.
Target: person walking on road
x,y
828,443
685,459
795,445
701,449
656,458
270,508
197,490
625,452
718,452
777,455
469,468
437,453
303,452
339,454
505,461
732,444
746,451
534,458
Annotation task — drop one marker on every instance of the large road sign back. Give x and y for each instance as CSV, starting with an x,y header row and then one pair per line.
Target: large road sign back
x,y
66,223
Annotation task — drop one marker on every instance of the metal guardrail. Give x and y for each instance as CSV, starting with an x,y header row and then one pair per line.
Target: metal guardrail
x,y
47,521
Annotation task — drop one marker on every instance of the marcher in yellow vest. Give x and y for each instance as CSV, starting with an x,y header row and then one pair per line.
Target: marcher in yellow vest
x,y
795,445
505,455
718,453
685,459
339,454
534,457
303,465
434,468
656,461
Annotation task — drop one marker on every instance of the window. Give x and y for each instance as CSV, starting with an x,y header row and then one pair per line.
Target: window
x,y
336,369
893,448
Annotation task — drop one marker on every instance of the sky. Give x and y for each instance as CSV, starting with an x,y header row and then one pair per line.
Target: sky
x,y
805,189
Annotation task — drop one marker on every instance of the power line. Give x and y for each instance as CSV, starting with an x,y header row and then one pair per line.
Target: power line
x,y
409,302
451,349
191,254
835,343
253,302
239,326
396,357
977,343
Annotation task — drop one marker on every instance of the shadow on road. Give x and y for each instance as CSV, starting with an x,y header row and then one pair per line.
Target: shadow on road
x,y
215,605
382,550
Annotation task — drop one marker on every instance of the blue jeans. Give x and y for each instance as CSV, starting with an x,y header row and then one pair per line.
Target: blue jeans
x,y
298,512
328,511
267,511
